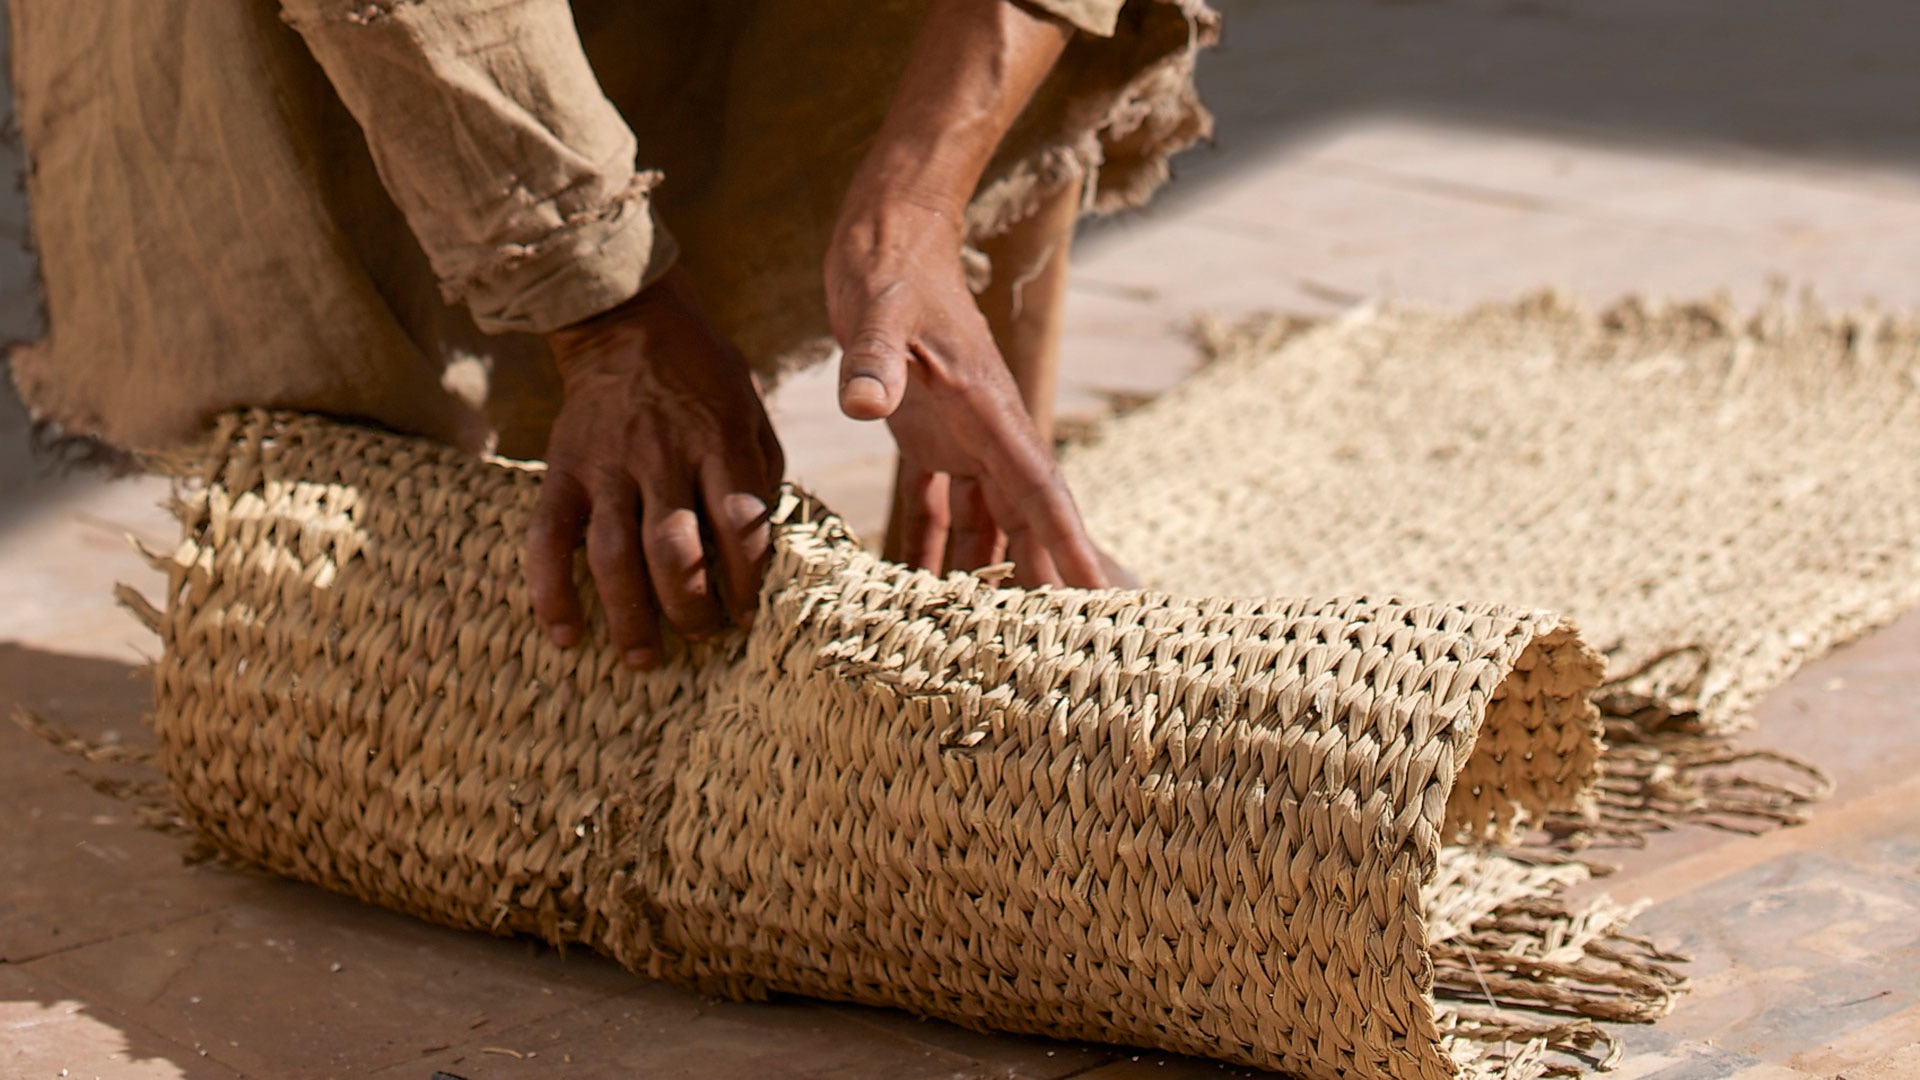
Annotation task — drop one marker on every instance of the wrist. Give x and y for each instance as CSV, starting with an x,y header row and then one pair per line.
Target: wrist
x,y
923,172
612,340
660,296
885,231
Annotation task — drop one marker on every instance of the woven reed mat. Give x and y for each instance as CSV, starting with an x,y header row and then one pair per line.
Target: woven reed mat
x,y
1209,826
1712,498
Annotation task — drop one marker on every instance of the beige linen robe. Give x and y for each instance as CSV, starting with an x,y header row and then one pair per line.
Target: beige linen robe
x,y
371,208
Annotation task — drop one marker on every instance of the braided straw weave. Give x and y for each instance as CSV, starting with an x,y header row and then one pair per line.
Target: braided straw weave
x,y
1714,497
1211,826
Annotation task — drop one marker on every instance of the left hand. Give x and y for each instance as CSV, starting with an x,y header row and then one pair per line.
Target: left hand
x,y
918,353
662,462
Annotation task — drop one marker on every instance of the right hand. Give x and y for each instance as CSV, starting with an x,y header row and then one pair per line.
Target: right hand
x,y
662,459
974,472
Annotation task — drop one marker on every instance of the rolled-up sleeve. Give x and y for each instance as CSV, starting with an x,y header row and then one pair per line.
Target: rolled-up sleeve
x,y
493,136
1097,17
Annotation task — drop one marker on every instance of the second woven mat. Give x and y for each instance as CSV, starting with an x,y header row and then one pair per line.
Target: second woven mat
x,y
1715,496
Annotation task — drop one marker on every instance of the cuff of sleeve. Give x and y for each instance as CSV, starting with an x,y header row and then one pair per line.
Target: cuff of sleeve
x,y
1097,17
574,273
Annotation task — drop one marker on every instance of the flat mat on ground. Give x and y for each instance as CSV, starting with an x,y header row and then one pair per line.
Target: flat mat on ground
x,y
1713,497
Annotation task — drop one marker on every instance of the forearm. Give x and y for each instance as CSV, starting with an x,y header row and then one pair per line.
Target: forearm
x,y
974,67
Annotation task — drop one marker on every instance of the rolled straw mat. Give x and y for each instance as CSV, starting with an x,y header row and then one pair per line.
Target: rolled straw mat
x,y
1241,828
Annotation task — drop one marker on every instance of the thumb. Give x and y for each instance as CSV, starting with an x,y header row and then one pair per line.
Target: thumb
x,y
873,368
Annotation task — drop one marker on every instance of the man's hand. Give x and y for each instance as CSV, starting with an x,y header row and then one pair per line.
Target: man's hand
x,y
662,459
919,355
917,350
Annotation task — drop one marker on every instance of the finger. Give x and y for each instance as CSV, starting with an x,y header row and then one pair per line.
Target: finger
x,y
1118,576
553,534
737,512
873,364
620,574
1030,493
1032,565
676,559
917,533
973,541
1049,511
775,457
1025,487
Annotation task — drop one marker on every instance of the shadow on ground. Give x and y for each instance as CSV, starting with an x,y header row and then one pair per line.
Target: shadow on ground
x,y
1832,82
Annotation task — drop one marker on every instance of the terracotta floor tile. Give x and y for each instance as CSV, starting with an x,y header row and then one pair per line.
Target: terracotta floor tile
x,y
47,1031
71,856
1868,692
1801,951
1770,1071
1151,1066
1902,1064
301,983
1698,1061
660,1031
1013,1057
72,532
1866,1048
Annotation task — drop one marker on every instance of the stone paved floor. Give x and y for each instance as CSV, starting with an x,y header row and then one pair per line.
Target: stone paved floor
x,y
1430,150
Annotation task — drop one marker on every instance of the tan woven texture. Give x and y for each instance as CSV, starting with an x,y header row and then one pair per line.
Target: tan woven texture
x,y
1211,826
1713,496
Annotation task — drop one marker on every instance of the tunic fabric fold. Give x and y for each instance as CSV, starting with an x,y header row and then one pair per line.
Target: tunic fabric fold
x,y
370,209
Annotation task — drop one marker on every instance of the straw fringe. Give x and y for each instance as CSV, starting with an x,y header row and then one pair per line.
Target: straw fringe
x,y
115,769
1655,783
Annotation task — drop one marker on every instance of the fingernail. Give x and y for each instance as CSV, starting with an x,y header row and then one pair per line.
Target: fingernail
x,y
864,390
640,658
564,636
744,619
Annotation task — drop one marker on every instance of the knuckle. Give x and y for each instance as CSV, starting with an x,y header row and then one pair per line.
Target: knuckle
x,y
688,602
607,480
674,549
740,512
872,345
674,540
686,592
885,294
631,621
